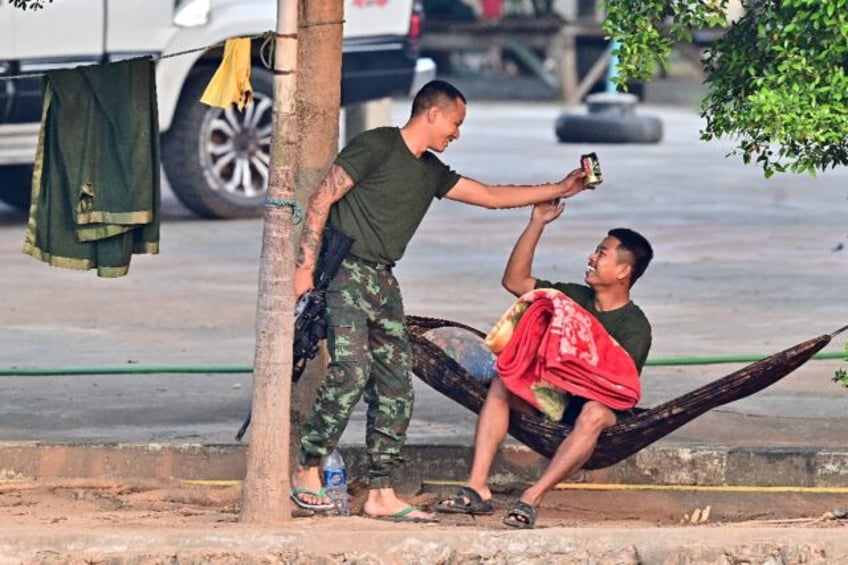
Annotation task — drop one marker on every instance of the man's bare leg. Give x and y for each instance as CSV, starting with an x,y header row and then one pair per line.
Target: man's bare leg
x,y
573,452
491,430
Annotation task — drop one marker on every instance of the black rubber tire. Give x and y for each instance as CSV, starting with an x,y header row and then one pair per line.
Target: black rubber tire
x,y
232,182
16,185
608,128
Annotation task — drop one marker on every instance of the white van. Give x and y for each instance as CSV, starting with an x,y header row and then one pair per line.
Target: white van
x,y
216,161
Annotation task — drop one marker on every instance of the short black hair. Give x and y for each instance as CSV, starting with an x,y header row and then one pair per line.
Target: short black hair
x,y
638,247
433,93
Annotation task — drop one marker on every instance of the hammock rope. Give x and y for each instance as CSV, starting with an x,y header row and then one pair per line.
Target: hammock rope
x,y
637,430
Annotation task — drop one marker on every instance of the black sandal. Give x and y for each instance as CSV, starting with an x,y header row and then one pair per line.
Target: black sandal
x,y
521,515
466,500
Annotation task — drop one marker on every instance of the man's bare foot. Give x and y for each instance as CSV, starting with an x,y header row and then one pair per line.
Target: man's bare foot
x,y
384,503
468,500
483,490
307,491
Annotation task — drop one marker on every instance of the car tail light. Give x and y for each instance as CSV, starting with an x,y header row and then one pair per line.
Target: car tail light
x,y
415,23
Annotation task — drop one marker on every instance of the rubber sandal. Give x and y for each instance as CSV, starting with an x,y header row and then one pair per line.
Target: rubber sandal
x,y
466,500
296,494
403,516
521,515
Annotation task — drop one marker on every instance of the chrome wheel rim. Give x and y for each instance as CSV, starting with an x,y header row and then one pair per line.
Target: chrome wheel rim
x,y
236,148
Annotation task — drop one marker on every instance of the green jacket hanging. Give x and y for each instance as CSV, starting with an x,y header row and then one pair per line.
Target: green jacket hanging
x,y
96,180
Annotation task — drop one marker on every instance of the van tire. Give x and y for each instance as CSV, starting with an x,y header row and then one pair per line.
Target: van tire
x,y
232,181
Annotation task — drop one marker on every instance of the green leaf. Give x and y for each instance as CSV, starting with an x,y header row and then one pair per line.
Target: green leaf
x,y
29,4
777,77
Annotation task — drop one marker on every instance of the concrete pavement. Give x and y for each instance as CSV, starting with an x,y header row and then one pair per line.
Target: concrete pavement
x,y
352,541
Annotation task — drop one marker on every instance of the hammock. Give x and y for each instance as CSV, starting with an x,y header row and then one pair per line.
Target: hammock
x,y
638,429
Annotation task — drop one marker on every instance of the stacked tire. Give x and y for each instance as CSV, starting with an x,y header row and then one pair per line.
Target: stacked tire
x,y
611,118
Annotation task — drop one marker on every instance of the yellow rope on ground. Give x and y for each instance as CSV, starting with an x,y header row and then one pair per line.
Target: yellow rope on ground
x,y
695,488
607,487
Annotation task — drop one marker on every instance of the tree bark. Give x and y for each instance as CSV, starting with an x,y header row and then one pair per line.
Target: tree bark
x,y
267,483
318,100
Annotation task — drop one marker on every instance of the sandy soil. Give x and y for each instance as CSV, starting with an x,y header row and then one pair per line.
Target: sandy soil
x,y
76,522
90,503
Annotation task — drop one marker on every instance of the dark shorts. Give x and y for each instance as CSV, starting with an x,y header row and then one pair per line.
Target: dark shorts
x,y
575,406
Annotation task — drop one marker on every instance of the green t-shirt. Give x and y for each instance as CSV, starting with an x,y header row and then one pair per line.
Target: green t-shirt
x,y
628,325
393,190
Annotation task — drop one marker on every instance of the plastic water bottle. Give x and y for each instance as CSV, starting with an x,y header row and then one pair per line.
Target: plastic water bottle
x,y
335,482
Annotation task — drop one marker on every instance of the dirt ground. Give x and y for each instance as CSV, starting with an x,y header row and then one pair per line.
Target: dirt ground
x,y
94,503
85,522
75,522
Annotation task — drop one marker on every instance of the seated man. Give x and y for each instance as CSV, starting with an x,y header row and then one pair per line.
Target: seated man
x,y
613,268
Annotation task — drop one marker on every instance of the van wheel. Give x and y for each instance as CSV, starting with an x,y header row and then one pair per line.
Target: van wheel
x,y
216,160
16,185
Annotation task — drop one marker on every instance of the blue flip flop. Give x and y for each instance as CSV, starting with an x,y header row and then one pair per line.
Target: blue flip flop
x,y
296,494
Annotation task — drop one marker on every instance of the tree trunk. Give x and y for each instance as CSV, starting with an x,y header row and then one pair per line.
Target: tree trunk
x,y
266,484
318,100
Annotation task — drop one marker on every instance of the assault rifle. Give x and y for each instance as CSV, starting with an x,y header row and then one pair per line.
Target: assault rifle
x,y
309,324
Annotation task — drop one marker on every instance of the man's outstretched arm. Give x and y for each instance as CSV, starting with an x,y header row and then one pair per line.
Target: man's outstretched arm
x,y
498,196
333,187
517,277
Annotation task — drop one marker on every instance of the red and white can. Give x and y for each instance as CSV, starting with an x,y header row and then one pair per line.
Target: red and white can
x,y
592,167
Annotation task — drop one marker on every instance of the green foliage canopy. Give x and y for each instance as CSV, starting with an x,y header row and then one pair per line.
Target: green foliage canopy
x,y
777,76
29,4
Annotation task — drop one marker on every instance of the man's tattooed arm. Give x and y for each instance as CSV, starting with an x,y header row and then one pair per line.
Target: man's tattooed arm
x,y
335,185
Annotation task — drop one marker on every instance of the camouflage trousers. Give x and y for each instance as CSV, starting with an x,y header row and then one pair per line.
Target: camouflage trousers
x,y
370,358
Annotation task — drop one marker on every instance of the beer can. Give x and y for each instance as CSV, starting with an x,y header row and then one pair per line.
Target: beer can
x,y
592,167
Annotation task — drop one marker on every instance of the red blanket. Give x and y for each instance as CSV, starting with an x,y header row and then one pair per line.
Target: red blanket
x,y
551,339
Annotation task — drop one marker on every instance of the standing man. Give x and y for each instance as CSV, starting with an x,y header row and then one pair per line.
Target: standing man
x,y
377,191
613,268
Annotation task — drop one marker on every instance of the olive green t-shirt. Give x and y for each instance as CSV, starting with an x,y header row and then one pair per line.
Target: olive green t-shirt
x,y
393,190
628,325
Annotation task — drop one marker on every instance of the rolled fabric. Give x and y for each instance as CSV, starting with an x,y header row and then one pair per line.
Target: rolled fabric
x,y
557,341
499,335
